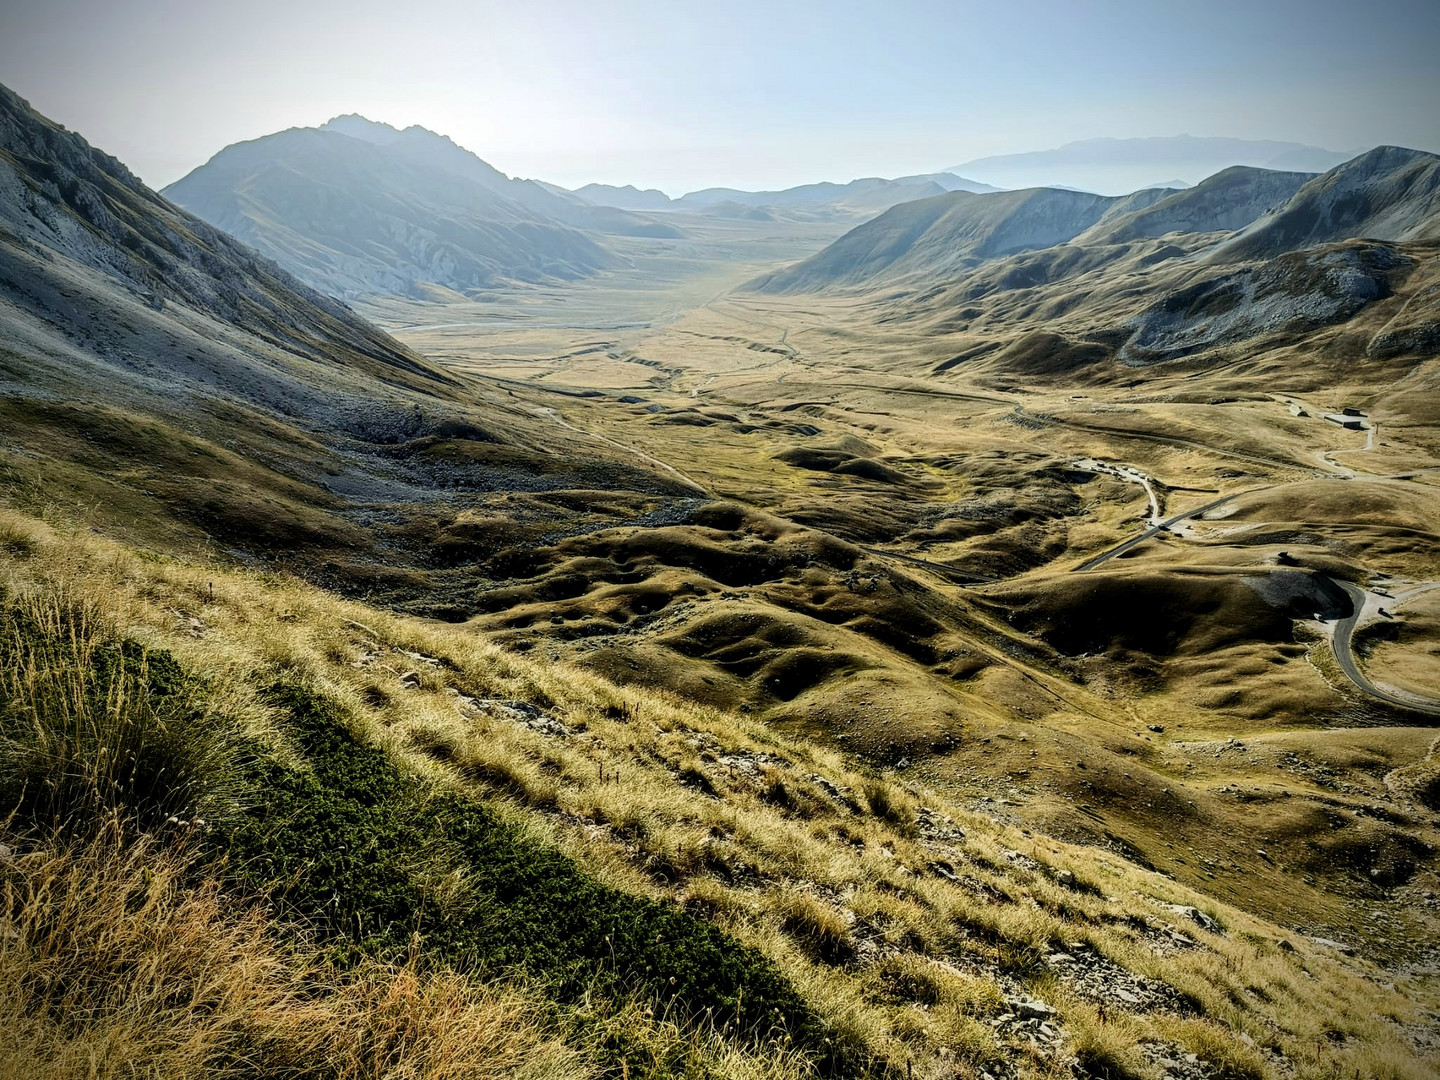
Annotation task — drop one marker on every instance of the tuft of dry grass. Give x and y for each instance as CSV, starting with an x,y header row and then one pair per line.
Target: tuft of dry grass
x,y
16,541
891,805
92,725
115,961
817,927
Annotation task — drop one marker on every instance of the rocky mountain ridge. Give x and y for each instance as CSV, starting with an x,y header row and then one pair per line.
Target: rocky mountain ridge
x,y
406,213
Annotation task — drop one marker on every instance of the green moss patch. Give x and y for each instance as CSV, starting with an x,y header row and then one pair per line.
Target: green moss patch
x,y
387,866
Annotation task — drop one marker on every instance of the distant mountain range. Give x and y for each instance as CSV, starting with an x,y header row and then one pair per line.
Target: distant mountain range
x,y
866,195
1388,193
1118,166
357,208
1247,253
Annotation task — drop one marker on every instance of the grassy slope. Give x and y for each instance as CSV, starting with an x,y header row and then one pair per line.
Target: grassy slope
x,y
903,929
902,665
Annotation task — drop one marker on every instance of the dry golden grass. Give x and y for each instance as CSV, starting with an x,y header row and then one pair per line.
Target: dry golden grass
x,y
835,879
979,438
115,961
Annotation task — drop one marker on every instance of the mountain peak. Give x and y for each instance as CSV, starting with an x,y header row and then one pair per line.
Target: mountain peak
x,y
362,127
1387,157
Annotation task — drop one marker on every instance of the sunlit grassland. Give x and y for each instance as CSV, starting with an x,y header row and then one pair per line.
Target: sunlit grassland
x,y
828,872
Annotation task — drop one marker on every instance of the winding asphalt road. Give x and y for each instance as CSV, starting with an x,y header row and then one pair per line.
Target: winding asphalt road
x,y
1120,549
1344,632
1345,657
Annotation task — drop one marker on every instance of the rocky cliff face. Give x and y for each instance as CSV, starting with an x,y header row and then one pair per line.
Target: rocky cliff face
x,y
60,196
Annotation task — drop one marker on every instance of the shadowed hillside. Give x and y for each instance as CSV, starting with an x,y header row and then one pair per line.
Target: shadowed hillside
x,y
158,369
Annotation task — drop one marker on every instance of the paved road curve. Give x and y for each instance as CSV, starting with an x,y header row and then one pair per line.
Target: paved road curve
x,y
1345,657
1344,631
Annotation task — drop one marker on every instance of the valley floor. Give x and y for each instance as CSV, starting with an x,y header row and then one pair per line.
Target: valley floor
x,y
1130,601
685,681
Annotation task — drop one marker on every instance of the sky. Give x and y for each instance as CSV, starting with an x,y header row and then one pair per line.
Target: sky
x,y
680,95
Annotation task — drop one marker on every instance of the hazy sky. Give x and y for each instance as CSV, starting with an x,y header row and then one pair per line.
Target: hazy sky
x,y
749,94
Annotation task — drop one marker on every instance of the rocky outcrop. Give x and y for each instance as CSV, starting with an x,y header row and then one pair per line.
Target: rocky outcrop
x,y
1297,291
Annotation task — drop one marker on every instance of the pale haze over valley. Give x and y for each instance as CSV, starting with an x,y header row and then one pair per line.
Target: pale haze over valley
x,y
748,95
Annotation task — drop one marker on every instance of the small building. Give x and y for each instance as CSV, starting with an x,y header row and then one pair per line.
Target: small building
x,y
1350,410
1347,420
